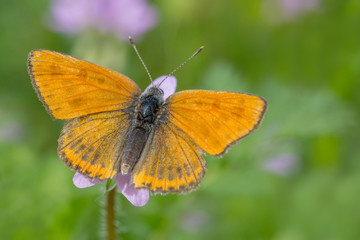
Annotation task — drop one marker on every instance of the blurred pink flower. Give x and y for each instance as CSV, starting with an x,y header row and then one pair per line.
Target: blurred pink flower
x,y
194,222
283,164
120,17
292,8
11,132
137,197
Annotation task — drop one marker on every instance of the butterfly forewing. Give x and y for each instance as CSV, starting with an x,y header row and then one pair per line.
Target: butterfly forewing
x,y
70,87
171,162
215,120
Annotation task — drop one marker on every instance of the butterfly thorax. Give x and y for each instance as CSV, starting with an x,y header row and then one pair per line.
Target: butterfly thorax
x,y
149,105
148,109
146,112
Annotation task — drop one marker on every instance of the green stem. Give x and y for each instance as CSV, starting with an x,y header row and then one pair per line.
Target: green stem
x,y
110,215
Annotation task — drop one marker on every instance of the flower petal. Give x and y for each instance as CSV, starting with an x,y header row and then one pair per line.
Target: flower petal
x,y
120,17
292,8
70,16
168,86
129,17
80,181
137,197
283,164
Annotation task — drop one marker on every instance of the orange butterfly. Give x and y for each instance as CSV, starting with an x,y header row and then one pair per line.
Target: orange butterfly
x,y
114,128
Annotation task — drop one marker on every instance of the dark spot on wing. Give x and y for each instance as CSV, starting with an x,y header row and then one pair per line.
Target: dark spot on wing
x,y
96,156
73,145
82,74
188,170
80,149
170,176
179,171
161,173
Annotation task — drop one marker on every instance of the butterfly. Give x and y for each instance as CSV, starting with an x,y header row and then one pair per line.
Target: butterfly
x,y
114,128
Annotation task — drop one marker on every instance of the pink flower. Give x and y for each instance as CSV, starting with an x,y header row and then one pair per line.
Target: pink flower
x,y
120,17
137,197
283,164
292,8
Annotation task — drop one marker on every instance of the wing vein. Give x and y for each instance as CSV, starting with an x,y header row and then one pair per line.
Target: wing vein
x,y
106,75
81,135
192,169
187,126
166,150
82,109
92,143
60,88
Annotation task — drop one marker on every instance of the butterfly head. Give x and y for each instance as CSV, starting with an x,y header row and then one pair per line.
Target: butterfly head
x,y
150,102
154,92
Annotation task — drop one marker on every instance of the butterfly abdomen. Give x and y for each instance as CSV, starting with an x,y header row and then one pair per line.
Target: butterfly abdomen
x,y
146,114
133,148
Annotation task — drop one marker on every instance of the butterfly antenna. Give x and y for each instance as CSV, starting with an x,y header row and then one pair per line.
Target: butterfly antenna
x,y
137,52
194,54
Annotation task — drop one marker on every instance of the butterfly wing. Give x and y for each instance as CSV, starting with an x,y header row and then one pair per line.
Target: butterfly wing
x,y
170,162
69,87
194,122
95,100
215,120
92,145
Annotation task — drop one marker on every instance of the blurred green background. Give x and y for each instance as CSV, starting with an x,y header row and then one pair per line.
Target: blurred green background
x,y
296,177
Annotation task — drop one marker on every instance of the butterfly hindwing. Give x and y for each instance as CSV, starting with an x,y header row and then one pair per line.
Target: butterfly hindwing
x,y
70,87
171,162
215,120
92,145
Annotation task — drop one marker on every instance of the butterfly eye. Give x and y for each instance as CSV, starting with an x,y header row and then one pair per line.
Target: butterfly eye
x,y
161,91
